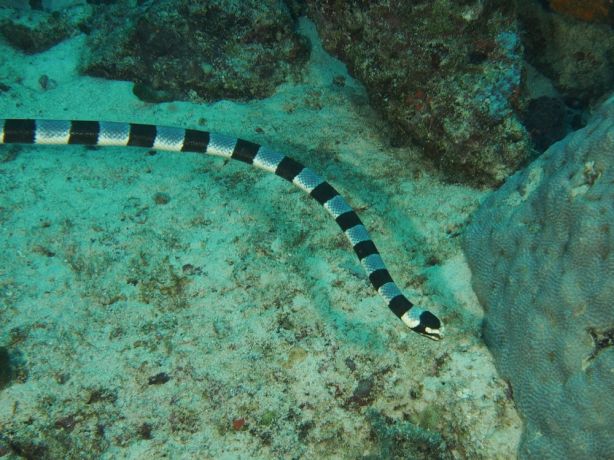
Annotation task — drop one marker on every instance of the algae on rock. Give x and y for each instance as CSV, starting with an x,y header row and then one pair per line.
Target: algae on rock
x,y
198,51
445,76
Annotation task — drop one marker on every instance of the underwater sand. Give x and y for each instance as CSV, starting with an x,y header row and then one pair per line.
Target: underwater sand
x,y
179,306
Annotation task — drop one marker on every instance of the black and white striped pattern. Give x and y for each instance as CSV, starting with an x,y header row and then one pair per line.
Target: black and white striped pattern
x,y
102,133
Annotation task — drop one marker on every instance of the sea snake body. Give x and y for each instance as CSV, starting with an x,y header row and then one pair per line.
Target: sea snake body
x,y
102,133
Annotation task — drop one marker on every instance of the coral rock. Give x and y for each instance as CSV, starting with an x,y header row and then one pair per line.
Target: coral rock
x,y
444,75
577,56
199,51
541,252
586,10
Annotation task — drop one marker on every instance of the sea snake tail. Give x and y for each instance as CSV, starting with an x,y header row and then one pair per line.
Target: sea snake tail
x,y
103,133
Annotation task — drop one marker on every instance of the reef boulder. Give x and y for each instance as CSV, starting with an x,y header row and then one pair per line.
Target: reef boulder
x,y
446,75
576,55
541,252
198,51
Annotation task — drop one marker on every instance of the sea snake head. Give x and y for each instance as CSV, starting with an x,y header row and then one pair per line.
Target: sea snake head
x,y
424,323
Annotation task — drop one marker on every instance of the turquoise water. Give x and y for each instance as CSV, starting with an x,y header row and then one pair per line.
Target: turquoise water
x,y
164,305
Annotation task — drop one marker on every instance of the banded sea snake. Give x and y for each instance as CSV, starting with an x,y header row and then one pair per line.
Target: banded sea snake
x,y
101,133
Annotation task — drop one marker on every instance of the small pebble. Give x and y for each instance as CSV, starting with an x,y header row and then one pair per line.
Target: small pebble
x,y
162,198
238,423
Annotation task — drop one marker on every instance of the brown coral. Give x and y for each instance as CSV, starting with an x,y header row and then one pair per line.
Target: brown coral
x,y
585,10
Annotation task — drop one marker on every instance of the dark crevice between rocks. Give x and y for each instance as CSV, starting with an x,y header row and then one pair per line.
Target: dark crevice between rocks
x,y
602,339
12,367
549,119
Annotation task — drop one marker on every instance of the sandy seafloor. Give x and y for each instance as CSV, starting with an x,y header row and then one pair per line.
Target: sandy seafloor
x,y
240,289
